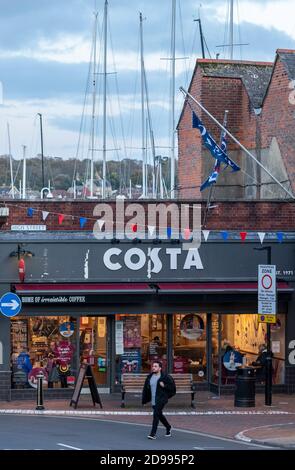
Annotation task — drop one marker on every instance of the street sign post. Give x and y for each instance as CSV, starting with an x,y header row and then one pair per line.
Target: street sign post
x,y
267,302
267,309
10,304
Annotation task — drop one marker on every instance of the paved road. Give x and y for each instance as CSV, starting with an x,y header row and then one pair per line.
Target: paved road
x,y
51,433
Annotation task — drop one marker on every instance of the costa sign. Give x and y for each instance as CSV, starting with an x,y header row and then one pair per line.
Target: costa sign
x,y
136,259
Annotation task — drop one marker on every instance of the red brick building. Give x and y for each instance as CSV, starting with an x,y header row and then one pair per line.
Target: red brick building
x,y
260,99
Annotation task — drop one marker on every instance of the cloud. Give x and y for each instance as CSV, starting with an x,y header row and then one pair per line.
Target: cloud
x,y
45,49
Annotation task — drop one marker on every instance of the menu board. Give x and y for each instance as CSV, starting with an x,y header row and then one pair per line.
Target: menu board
x,y
85,372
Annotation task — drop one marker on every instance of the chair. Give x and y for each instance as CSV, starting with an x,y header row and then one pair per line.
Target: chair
x,y
227,377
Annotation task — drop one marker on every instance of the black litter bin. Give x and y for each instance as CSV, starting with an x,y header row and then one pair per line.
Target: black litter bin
x,y
245,387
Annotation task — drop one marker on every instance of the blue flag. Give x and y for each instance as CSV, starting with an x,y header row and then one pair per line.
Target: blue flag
x,y
211,145
212,179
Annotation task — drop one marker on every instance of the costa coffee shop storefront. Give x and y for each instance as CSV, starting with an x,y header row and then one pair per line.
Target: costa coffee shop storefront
x,y
120,305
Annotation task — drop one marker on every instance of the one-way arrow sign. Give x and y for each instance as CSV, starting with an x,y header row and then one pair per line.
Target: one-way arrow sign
x,y
10,305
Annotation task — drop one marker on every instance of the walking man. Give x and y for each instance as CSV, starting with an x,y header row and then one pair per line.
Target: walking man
x,y
158,388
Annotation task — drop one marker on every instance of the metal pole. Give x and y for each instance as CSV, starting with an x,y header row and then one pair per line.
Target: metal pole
x,y
24,172
268,365
152,139
10,162
201,37
104,153
172,103
231,31
40,405
42,149
142,111
236,141
93,105
268,371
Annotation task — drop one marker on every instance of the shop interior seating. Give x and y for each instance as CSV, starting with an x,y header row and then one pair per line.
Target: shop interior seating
x,y
133,383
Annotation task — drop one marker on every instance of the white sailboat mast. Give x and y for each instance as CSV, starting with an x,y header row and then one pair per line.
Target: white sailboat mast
x,y
144,194
104,148
93,105
172,102
10,162
24,171
231,30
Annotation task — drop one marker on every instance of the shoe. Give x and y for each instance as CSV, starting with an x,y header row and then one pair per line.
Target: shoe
x,y
152,436
168,432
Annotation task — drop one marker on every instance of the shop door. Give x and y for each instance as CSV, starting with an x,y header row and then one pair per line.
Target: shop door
x,y
93,347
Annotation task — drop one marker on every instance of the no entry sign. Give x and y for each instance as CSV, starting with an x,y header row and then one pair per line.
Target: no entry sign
x,y
267,293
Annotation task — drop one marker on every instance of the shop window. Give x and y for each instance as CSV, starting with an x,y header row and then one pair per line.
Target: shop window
x,y
93,346
243,339
43,344
189,345
144,340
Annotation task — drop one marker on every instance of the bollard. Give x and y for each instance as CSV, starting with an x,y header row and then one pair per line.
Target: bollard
x,y
40,378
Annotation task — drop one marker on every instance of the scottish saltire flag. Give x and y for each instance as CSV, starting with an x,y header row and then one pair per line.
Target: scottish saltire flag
x,y
211,145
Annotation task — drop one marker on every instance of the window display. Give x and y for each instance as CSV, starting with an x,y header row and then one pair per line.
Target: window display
x,y
39,345
242,338
144,340
189,345
93,346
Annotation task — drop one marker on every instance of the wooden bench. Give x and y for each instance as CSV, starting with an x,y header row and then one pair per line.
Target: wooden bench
x,y
133,383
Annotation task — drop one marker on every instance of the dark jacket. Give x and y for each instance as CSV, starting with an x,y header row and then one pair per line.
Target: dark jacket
x,y
261,362
162,393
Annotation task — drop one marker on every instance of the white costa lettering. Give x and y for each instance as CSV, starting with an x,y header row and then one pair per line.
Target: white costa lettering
x,y
291,356
135,265
107,259
136,259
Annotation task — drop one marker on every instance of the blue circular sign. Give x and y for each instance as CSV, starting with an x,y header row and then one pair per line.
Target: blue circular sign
x,y
10,304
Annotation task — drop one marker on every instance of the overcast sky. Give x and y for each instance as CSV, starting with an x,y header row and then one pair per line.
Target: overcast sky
x,y
44,59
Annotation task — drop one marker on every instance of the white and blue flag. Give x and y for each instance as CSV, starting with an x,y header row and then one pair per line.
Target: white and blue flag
x,y
218,153
212,179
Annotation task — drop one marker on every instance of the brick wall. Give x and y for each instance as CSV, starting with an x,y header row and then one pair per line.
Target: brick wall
x,y
230,215
278,118
189,146
217,94
5,385
254,132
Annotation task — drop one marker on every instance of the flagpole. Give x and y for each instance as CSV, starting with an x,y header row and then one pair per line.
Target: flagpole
x,y
186,93
216,161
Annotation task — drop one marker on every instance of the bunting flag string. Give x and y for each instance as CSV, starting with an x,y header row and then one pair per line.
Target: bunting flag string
x,y
187,233
83,221
61,218
101,224
30,212
224,235
151,230
243,236
261,236
45,214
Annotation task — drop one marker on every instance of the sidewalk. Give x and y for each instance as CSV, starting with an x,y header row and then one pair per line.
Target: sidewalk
x,y
213,415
